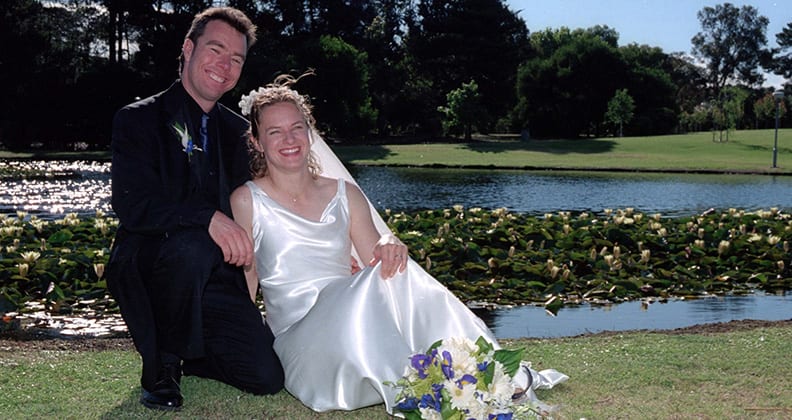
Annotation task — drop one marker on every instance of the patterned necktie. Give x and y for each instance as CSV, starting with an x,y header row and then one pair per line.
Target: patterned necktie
x,y
204,133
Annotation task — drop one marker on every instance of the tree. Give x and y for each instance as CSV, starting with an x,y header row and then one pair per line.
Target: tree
x,y
390,69
339,90
689,81
454,41
652,88
783,60
727,110
620,109
564,91
463,110
732,44
765,109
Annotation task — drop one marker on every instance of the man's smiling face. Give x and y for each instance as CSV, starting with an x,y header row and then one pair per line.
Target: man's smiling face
x,y
213,64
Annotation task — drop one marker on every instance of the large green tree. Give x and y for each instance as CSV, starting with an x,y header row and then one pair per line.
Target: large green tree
x,y
732,43
454,41
390,70
651,86
782,64
564,91
339,90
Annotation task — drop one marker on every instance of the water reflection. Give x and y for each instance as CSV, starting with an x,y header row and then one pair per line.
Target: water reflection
x,y
56,188
534,321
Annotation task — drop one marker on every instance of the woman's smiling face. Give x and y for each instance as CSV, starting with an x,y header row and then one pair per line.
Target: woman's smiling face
x,y
283,136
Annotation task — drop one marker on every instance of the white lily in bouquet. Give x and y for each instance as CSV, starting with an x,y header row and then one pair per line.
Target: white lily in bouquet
x,y
459,379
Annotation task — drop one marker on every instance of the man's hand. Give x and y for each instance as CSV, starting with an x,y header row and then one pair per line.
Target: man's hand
x,y
393,254
232,239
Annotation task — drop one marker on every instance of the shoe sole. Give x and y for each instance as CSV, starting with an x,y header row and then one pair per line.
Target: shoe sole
x,y
160,407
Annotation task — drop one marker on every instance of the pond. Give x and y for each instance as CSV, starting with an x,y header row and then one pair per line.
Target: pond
x,y
84,188
539,192
536,322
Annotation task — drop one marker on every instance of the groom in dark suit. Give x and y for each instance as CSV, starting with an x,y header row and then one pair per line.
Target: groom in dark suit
x,y
175,267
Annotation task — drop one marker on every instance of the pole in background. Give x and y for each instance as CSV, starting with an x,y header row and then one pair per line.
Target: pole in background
x,y
778,95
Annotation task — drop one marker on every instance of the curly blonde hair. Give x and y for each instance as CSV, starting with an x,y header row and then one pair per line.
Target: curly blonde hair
x,y
279,91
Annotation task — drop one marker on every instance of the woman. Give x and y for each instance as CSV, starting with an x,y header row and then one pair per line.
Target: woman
x,y
340,337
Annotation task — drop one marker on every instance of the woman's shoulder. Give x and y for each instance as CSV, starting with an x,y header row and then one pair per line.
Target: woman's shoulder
x,y
242,194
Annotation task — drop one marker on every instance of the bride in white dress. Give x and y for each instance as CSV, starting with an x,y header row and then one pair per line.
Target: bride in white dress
x,y
340,336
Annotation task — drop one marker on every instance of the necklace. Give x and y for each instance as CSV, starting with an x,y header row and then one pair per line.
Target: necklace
x,y
283,192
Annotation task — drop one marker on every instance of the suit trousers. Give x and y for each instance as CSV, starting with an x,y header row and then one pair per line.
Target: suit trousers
x,y
189,303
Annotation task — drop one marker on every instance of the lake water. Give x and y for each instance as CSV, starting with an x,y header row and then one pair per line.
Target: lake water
x,y
536,322
539,192
84,187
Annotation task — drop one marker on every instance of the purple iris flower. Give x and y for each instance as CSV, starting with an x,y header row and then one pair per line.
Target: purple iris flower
x,y
428,401
482,366
502,416
438,396
448,371
421,362
408,404
466,379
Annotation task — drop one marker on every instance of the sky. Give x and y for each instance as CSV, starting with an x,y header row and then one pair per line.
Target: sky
x,y
668,24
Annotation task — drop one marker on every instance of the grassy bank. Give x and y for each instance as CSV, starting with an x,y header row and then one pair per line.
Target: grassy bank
x,y
746,151
735,374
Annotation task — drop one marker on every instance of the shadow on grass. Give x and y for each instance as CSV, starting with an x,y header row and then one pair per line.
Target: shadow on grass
x,y
130,408
587,146
768,148
356,152
560,147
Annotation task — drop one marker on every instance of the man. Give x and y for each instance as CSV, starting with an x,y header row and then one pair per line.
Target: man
x,y
175,267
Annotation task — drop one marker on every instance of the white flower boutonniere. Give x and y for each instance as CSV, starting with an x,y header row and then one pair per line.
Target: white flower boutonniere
x,y
188,145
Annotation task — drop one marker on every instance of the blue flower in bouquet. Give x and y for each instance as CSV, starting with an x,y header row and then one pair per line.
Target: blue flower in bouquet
x,y
460,379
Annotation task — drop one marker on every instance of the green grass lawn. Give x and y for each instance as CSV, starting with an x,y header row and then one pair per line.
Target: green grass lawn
x,y
746,151
633,375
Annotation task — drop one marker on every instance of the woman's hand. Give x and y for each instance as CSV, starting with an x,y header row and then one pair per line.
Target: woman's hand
x,y
393,255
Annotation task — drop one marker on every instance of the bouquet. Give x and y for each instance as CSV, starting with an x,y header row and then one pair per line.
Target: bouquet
x,y
459,379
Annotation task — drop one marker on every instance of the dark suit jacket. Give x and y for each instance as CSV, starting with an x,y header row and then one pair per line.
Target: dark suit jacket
x,y
157,189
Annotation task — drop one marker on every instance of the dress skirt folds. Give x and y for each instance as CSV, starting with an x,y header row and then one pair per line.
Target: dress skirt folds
x,y
341,337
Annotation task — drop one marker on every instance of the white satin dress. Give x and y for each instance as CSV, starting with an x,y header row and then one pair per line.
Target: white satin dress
x,y
341,336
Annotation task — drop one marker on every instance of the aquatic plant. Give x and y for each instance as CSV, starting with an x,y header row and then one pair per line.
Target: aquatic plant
x,y
489,256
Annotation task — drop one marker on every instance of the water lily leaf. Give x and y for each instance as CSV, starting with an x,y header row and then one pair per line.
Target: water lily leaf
x,y
555,288
60,237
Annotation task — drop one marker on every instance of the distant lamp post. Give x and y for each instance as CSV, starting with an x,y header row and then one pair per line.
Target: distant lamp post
x,y
779,96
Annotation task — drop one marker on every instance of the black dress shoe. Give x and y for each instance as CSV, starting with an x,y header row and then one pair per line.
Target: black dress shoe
x,y
166,393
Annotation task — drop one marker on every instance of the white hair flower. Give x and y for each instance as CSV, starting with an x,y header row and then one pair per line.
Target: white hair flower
x,y
246,103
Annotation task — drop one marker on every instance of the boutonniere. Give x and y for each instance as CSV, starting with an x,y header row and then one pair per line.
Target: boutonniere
x,y
188,145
